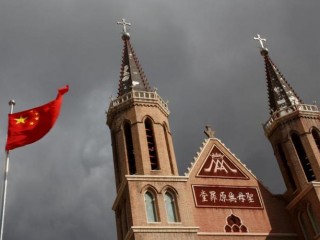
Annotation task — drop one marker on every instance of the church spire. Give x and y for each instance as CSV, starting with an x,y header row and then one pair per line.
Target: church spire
x,y
132,76
280,93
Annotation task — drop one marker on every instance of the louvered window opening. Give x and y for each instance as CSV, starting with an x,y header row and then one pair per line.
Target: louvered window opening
x,y
151,145
286,168
316,138
303,157
130,151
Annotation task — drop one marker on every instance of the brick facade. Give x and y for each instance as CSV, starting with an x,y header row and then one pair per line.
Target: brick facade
x,y
218,198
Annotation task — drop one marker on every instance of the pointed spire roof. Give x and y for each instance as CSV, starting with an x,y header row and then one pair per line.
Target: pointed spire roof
x,y
132,76
280,93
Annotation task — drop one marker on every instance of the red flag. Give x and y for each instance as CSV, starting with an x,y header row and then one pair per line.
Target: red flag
x,y
31,125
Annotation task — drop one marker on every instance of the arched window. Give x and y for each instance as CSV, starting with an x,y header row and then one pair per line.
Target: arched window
x,y
286,167
151,209
313,220
234,225
171,207
303,157
303,226
151,144
316,137
129,146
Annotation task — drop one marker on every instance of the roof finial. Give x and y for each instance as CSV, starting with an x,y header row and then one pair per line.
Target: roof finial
x,y
125,33
264,50
209,132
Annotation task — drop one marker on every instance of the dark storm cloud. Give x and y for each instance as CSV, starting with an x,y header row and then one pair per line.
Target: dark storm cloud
x,y
200,55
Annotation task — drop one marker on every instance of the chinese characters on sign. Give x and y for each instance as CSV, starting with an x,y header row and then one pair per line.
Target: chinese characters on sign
x,y
223,196
218,165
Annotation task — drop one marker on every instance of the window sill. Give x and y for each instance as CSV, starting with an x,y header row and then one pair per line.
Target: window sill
x,y
153,222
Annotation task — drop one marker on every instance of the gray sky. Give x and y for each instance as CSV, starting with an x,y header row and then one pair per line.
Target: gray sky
x,y
199,54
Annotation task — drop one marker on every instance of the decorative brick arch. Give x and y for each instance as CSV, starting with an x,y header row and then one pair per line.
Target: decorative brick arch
x,y
149,187
234,224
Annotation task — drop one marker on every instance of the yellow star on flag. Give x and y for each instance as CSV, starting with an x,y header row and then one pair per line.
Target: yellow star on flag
x,y
20,120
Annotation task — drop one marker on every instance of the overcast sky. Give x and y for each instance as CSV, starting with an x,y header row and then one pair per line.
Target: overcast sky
x,y
201,56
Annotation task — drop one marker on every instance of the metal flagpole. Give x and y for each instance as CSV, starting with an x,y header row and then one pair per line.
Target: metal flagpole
x,y
5,182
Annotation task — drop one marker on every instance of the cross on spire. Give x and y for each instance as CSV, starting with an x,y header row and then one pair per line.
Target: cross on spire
x,y
124,25
261,40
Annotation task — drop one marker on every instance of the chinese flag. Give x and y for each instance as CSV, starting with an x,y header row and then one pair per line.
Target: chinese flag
x,y
31,125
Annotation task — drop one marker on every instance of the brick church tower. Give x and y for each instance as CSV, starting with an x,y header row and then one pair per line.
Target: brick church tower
x,y
218,197
293,130
147,179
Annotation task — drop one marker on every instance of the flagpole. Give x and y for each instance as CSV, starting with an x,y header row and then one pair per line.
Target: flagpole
x,y
5,182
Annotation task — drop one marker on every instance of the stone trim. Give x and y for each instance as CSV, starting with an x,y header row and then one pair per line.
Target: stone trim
x,y
312,185
293,235
298,112
157,178
160,229
119,194
164,229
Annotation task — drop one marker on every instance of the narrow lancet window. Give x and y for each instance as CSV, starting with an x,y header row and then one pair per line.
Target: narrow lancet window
x,y
313,220
129,145
303,226
151,210
316,137
124,223
286,168
303,157
151,145
171,207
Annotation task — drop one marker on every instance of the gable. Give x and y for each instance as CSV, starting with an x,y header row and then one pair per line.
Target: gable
x,y
216,161
217,164
218,179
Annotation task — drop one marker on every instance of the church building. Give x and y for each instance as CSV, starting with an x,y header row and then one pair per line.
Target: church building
x,y
218,198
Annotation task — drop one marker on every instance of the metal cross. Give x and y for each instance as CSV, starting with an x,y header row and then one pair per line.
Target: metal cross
x,y
261,40
124,24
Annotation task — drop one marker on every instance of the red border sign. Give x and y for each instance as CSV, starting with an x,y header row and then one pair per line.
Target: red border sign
x,y
227,197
